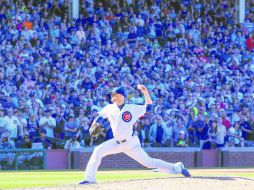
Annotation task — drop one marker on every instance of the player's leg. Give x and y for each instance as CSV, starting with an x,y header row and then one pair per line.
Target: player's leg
x,y
138,154
143,158
104,149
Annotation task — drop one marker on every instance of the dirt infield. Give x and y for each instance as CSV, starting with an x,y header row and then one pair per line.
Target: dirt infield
x,y
179,183
217,180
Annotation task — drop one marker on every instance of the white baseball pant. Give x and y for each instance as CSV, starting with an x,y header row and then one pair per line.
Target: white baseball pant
x,y
133,149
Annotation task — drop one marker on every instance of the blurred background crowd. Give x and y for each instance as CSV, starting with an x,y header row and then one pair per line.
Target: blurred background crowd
x,y
195,59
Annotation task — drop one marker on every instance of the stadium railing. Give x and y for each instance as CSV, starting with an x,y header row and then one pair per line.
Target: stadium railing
x,y
14,159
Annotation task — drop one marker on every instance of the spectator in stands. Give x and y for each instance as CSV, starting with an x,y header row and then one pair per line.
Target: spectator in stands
x,y
48,123
209,142
169,130
145,128
7,134
25,157
60,121
198,124
32,126
3,123
83,129
26,34
225,120
157,133
7,144
136,98
138,132
8,101
40,114
43,139
33,98
202,131
246,129
72,143
235,135
70,127
25,142
250,42
81,35
13,125
182,141
27,24
177,129
22,117
236,116
221,134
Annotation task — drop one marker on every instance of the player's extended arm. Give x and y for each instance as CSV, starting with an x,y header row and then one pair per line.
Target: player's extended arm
x,y
98,119
144,90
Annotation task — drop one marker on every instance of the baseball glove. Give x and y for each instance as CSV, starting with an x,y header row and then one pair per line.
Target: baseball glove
x,y
95,130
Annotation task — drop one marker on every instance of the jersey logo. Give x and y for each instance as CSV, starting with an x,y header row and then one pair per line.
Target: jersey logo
x,y
127,116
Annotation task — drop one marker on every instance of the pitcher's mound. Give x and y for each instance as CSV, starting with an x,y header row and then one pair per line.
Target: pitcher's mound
x,y
173,183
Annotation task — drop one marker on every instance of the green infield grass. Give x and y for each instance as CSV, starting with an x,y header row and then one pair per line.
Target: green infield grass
x,y
22,179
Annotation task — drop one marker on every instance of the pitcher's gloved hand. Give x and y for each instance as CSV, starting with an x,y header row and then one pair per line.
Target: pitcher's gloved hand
x,y
95,130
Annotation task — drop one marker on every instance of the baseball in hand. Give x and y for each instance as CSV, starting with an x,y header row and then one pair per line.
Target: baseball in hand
x,y
141,87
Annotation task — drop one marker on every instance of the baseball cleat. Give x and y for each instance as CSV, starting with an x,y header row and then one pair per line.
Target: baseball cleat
x,y
85,183
186,173
180,169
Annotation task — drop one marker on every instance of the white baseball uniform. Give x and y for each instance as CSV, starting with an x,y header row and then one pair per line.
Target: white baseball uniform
x,y
121,122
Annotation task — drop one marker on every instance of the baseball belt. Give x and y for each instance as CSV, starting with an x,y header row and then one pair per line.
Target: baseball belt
x,y
121,142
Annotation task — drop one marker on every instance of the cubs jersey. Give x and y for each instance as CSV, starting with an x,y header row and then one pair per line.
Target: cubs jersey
x,y
122,120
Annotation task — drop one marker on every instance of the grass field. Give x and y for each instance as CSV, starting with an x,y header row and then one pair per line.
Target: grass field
x,y
19,179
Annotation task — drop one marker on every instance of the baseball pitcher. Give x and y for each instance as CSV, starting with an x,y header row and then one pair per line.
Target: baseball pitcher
x,y
122,116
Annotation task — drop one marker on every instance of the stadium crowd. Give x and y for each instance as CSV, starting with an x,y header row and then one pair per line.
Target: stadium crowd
x,y
194,57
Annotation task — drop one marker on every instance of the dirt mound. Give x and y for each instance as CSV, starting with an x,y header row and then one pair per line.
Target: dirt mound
x,y
173,183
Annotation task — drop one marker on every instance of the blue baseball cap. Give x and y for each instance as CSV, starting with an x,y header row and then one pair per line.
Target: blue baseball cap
x,y
118,90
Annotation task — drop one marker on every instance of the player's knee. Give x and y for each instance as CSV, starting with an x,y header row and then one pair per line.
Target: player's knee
x,y
149,163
